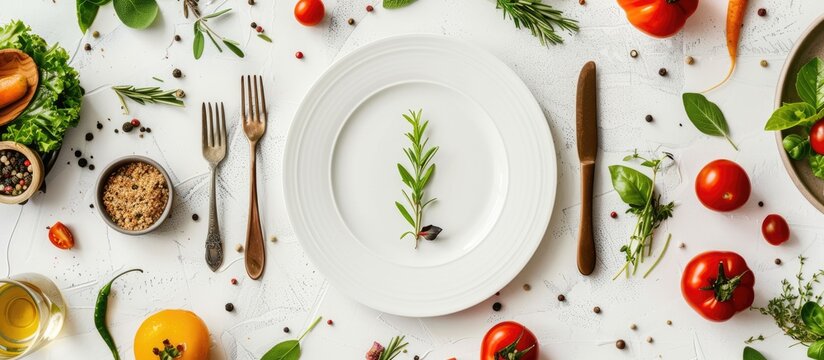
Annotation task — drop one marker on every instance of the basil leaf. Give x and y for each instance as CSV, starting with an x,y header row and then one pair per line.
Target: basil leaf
x,y
791,115
706,116
752,354
233,47
817,164
810,83
287,350
797,147
813,317
86,12
816,350
396,4
136,14
634,187
198,43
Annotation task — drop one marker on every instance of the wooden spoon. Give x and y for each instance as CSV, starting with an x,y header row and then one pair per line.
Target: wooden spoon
x,y
13,61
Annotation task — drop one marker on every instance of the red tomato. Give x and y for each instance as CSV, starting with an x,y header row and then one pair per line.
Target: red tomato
x,y
60,236
309,12
509,340
718,284
658,18
722,185
775,229
817,137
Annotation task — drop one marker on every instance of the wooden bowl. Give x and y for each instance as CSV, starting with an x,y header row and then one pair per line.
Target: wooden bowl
x,y
37,172
13,61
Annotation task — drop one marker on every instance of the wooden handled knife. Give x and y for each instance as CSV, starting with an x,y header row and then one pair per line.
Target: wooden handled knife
x,y
587,138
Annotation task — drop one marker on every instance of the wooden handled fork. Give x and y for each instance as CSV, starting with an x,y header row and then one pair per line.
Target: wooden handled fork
x,y
254,125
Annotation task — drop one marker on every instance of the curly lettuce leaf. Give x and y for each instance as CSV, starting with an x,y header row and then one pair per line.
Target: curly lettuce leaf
x,y
55,107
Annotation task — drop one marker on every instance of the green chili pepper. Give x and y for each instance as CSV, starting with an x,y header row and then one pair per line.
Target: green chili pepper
x,y
100,309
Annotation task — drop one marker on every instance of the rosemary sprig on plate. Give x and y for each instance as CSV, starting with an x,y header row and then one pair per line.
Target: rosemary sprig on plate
x,y
419,157
201,27
541,19
146,95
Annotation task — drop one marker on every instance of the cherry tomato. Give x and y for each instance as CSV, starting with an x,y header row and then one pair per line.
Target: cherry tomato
x,y
718,284
509,340
775,229
817,137
722,185
309,12
60,236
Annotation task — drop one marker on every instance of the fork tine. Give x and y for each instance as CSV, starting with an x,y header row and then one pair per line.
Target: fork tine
x,y
222,125
211,127
249,90
203,125
262,100
242,99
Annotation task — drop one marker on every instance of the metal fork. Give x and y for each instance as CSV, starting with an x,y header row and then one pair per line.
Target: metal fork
x,y
254,125
214,150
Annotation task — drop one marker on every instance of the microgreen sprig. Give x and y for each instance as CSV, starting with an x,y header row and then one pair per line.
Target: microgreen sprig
x,y
419,157
146,95
201,27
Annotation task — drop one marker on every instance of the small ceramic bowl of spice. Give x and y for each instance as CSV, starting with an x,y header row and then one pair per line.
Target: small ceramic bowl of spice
x,y
134,195
21,172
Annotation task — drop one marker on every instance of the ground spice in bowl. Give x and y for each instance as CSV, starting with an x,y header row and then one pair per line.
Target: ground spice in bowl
x,y
135,196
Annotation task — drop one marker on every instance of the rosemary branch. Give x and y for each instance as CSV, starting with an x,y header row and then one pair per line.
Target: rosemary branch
x,y
419,157
541,19
396,345
146,95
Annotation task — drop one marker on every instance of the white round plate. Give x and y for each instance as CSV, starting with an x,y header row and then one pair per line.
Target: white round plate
x,y
495,179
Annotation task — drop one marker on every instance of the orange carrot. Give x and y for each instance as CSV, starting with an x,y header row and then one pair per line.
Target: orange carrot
x,y
735,19
12,88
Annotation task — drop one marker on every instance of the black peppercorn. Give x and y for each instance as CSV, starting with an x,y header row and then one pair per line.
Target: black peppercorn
x,y
177,73
597,309
116,131
253,24
77,153
778,261
621,344
127,126
496,306
561,298
662,71
99,125
195,217
148,130
89,136
762,12
87,47
230,307
177,37
91,167
648,118
82,162
286,329
760,204
416,357
351,21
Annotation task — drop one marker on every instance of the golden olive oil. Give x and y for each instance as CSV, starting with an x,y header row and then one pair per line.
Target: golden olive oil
x,y
19,319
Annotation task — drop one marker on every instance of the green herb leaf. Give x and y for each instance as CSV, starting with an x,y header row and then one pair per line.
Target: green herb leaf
x,y
797,147
816,350
817,164
791,115
706,116
405,213
813,317
86,13
233,47
810,83
416,179
198,43
396,4
752,354
264,37
287,350
541,19
136,14
633,186
216,14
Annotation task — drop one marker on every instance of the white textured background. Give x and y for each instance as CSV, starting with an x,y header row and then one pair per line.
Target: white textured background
x,y
293,292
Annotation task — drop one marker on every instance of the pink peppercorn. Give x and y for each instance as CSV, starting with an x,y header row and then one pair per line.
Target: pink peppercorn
x,y
329,322
27,162
369,8
613,214
234,281
135,122
299,55
259,29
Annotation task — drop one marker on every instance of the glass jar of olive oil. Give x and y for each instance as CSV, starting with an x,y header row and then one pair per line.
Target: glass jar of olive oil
x,y
32,312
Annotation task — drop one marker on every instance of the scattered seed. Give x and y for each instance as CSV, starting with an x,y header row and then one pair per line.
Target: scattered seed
x,y
633,53
621,344
649,339
177,73
127,127
582,2
682,245
238,247
233,281
633,327
669,322
369,8
177,37
195,217
148,129
497,306
99,125
613,214
597,309
229,307
254,25
648,118
87,47
77,153
251,2
96,34
762,12
416,357
764,63
662,71
527,287
351,21
91,167
778,261
299,55
286,329
91,206
82,162
760,204
690,60
142,129
180,94
561,298
116,131
259,29
330,322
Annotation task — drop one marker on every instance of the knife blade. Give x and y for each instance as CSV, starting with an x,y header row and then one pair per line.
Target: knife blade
x,y
587,141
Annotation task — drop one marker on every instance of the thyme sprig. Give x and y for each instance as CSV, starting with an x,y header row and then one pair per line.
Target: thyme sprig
x,y
146,95
785,309
419,157
201,27
541,19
